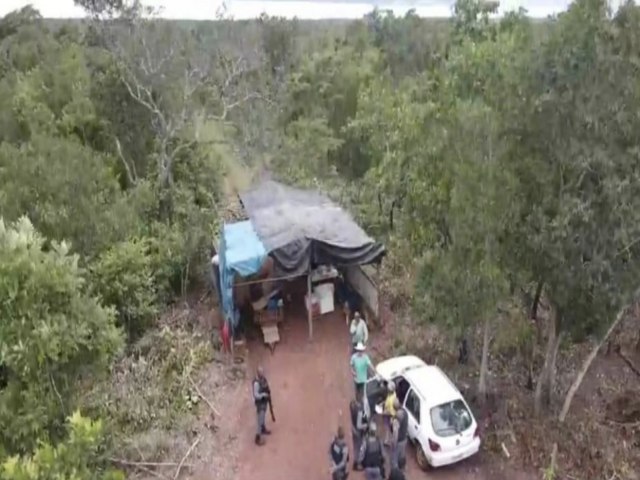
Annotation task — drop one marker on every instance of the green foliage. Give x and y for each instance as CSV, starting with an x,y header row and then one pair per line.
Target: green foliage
x,y
52,332
123,275
78,456
79,208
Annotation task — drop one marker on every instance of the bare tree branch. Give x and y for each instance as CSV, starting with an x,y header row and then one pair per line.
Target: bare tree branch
x,y
132,175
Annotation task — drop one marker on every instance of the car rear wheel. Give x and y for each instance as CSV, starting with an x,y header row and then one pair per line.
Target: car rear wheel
x,y
421,458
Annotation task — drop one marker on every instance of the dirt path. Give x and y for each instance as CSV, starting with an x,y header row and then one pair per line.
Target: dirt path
x,y
311,388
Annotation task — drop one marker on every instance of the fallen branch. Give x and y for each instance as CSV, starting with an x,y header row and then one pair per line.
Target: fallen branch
x,y
587,363
146,464
506,452
625,424
186,455
201,395
628,361
151,472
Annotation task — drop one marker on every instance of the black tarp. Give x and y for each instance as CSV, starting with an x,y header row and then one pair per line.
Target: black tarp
x,y
299,227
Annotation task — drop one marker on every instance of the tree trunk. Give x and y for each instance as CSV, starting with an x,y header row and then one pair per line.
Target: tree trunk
x,y
393,206
484,363
552,370
536,300
545,373
585,366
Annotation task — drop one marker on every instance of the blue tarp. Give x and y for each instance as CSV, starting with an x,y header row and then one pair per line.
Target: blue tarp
x,y
241,252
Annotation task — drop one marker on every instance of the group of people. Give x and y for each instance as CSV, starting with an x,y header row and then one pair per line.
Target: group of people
x,y
369,450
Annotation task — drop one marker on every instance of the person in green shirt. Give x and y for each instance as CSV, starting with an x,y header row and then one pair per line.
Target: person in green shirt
x,y
360,367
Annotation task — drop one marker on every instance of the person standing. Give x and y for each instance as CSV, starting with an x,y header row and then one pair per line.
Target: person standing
x,y
339,455
358,428
400,427
261,398
360,367
358,330
389,410
372,455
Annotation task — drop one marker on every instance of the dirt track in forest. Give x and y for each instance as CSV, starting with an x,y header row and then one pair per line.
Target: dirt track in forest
x,y
311,388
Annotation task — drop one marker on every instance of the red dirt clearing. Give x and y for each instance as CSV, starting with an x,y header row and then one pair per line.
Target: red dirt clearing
x,y
311,387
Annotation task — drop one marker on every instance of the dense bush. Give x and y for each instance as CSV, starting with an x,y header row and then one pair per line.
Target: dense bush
x,y
123,275
76,457
52,333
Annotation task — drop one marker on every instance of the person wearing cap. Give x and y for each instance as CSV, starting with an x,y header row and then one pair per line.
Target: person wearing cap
x,y
371,455
400,428
389,410
360,367
358,330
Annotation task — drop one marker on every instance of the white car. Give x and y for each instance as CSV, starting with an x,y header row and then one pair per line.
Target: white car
x,y
441,425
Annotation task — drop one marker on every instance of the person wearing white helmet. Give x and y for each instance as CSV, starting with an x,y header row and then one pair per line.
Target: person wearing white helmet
x,y
389,410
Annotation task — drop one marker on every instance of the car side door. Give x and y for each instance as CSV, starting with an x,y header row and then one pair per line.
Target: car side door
x,y
412,405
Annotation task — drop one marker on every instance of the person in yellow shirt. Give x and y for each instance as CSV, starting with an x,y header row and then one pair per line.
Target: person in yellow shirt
x,y
389,410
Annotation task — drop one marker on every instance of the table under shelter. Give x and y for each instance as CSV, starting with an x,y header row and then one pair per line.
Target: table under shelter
x,y
290,233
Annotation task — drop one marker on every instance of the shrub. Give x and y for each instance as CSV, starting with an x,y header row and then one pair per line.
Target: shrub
x,y
75,458
123,276
52,332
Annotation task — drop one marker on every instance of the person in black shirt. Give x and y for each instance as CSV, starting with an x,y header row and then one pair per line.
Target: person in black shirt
x,y
372,455
399,428
261,398
339,455
358,428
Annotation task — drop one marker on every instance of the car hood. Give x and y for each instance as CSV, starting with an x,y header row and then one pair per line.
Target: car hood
x,y
392,367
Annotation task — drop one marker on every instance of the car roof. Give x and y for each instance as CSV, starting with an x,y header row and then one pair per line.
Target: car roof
x,y
433,385
395,366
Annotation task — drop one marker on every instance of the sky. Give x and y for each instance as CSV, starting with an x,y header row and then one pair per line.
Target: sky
x,y
316,9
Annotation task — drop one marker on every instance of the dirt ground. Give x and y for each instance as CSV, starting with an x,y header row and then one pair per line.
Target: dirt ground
x,y
311,387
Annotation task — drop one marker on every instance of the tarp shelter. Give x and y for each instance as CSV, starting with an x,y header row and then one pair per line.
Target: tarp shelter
x,y
299,229
303,227
241,253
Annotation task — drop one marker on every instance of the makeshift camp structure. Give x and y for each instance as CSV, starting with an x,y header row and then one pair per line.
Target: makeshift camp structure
x,y
299,229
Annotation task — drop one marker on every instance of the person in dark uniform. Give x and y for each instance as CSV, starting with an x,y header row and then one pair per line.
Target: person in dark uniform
x,y
339,455
372,455
261,398
358,428
399,428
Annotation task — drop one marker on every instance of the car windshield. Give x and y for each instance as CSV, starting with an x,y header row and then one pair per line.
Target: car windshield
x,y
450,418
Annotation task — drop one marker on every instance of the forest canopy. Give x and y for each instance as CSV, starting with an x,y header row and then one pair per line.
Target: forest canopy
x,y
498,158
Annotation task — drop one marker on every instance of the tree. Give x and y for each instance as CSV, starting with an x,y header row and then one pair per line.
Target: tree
x,y
78,456
580,228
53,332
177,81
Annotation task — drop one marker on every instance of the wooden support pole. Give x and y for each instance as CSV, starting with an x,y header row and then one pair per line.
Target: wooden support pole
x,y
380,316
310,306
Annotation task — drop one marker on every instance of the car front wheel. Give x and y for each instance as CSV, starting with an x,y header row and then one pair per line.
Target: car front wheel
x,y
421,458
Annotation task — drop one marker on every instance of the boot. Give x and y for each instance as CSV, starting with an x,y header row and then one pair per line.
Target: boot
x,y
265,431
259,440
